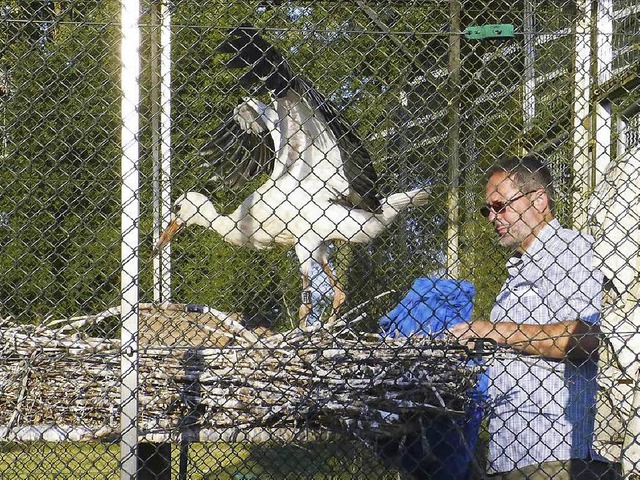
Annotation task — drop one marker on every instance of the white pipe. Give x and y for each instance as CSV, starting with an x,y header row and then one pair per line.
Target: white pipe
x,y
602,116
130,75
622,125
528,97
602,146
165,136
582,182
162,167
604,40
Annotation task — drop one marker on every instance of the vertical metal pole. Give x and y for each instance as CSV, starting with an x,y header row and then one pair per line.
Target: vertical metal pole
x,y
130,73
154,94
155,458
453,199
603,126
604,40
621,126
165,135
403,146
582,168
528,97
4,96
603,120
161,101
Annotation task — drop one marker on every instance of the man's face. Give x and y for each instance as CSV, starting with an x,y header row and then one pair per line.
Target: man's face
x,y
516,215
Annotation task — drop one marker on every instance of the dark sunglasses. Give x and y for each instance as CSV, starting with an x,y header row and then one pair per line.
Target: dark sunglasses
x,y
500,207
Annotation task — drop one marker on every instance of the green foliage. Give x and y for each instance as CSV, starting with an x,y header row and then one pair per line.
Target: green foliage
x,y
231,278
59,167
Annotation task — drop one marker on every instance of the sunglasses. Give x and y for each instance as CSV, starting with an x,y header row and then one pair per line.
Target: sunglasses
x,y
500,207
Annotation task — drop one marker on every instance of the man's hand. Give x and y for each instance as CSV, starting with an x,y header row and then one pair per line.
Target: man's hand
x,y
478,329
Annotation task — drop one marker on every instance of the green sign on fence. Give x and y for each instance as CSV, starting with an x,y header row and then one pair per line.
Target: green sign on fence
x,y
487,32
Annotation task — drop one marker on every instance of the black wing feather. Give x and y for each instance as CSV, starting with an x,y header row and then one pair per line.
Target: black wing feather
x,y
237,156
268,67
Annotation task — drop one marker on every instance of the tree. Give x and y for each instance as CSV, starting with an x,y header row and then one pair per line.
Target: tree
x,y
61,161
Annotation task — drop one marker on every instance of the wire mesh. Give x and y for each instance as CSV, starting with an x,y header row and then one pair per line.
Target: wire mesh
x,y
268,362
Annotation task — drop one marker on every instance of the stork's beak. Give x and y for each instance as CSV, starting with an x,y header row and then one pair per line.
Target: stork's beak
x,y
173,228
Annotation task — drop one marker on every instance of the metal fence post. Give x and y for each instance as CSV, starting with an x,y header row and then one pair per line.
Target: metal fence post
x,y
582,80
130,58
161,132
453,199
155,461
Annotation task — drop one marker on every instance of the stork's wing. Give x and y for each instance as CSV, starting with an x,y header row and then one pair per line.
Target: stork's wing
x,y
268,68
241,148
271,71
356,162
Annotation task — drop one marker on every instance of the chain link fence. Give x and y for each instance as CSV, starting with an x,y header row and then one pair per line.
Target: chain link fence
x,y
291,361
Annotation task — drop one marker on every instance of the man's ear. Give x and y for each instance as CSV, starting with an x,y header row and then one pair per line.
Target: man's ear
x,y
541,201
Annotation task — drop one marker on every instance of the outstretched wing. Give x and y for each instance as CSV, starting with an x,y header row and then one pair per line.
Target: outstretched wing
x,y
270,71
242,147
357,163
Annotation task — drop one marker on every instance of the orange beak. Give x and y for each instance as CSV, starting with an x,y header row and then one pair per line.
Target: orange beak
x,y
166,236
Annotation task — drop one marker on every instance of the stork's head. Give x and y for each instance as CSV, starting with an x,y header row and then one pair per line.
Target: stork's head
x,y
191,208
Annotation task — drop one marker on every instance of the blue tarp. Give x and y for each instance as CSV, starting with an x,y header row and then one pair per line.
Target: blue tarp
x,y
432,306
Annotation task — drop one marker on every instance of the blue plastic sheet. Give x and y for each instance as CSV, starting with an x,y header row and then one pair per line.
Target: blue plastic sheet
x,y
445,449
431,306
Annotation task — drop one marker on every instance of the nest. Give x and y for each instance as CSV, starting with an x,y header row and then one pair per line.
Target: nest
x,y
206,377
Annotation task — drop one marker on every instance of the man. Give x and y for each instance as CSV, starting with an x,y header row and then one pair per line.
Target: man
x,y
542,397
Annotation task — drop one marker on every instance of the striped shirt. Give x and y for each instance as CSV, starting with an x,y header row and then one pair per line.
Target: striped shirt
x,y
542,410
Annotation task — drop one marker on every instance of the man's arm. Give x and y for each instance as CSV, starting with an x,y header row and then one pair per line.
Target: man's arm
x,y
572,339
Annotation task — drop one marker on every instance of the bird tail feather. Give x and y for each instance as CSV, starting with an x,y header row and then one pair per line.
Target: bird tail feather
x,y
399,201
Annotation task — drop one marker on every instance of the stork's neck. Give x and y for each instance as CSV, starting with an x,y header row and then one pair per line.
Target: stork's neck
x,y
224,225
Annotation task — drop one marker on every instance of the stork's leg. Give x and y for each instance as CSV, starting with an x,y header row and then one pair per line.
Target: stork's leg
x,y
338,292
304,252
306,305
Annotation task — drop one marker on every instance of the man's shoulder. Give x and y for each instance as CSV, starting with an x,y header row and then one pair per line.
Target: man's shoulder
x,y
570,236
566,244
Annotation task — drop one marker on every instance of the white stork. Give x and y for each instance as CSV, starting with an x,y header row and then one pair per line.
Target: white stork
x,y
321,186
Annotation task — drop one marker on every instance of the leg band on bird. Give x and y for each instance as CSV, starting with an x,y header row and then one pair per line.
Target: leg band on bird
x,y
306,297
